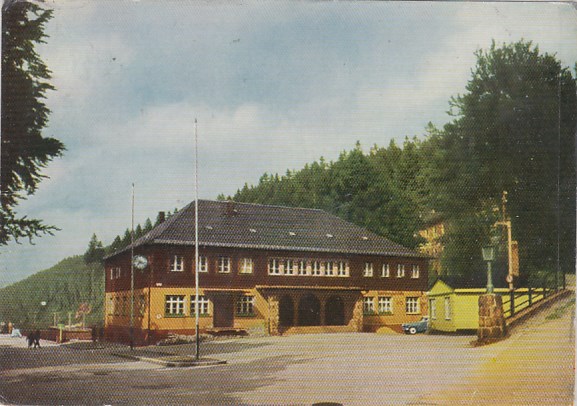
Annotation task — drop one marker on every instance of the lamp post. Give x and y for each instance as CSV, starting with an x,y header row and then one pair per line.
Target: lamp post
x,y
489,257
42,304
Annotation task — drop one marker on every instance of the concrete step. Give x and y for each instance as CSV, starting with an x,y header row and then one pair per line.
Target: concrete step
x,y
318,330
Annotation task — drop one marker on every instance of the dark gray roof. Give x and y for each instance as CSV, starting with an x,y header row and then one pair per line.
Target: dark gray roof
x,y
256,226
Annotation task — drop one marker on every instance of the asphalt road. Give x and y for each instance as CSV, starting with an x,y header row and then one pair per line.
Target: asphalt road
x,y
534,366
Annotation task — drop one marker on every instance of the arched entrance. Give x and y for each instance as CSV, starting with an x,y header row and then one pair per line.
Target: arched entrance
x,y
335,311
309,311
286,311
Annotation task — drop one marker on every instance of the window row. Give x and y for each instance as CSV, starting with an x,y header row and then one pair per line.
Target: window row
x,y
277,266
385,305
223,264
368,271
175,306
284,266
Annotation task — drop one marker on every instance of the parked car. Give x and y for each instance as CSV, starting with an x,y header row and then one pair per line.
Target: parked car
x,y
416,326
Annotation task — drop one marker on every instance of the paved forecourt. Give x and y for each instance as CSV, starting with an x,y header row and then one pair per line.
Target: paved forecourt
x,y
350,368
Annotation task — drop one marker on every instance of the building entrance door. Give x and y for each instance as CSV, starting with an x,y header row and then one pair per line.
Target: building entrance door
x,y
286,311
309,311
223,311
334,311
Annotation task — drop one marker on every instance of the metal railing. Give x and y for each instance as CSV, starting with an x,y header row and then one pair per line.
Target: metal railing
x,y
522,298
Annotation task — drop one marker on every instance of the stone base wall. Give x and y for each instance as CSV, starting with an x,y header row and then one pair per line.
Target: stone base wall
x,y
492,325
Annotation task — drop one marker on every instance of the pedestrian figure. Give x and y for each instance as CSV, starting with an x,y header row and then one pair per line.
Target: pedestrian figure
x,y
30,339
10,327
37,339
94,334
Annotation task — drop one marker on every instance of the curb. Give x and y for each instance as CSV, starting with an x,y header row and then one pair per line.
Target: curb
x,y
174,360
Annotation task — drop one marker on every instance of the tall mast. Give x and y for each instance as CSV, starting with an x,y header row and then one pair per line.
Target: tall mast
x,y
196,322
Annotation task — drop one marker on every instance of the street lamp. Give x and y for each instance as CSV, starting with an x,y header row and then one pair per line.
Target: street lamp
x,y
489,256
42,304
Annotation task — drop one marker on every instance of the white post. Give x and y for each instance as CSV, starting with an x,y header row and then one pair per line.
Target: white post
x,y
196,264
132,273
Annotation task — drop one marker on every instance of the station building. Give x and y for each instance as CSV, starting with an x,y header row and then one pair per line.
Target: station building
x,y
262,268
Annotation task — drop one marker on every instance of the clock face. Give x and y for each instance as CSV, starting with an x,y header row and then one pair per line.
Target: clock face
x,y
139,261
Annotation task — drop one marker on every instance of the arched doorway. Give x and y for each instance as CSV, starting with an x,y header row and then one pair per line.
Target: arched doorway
x,y
309,311
286,311
335,311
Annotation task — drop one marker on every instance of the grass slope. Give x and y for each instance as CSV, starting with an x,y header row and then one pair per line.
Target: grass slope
x,y
63,287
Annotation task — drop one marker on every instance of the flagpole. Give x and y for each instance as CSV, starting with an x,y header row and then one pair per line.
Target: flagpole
x,y
132,274
197,333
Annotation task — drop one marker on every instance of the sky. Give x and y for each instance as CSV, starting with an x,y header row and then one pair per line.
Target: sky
x,y
273,85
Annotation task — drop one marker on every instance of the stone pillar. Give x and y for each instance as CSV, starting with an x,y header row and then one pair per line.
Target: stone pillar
x,y
492,326
273,315
322,310
357,320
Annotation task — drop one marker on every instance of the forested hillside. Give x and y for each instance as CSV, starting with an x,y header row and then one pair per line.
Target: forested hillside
x,y
69,286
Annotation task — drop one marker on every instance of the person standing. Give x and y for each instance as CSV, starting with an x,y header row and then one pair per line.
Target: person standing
x,y
37,339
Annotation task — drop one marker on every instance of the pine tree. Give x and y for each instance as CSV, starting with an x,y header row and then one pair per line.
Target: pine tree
x,y
25,152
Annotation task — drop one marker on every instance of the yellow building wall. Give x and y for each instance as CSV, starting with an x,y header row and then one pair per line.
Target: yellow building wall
x,y
399,315
120,316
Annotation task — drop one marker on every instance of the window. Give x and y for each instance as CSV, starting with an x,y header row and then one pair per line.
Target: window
x,y
415,272
202,264
385,304
202,305
174,305
115,273
412,305
433,308
368,271
110,306
245,305
447,308
141,305
223,264
385,271
368,305
400,271
289,267
329,271
246,265
177,264
317,268
273,267
302,267
342,269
